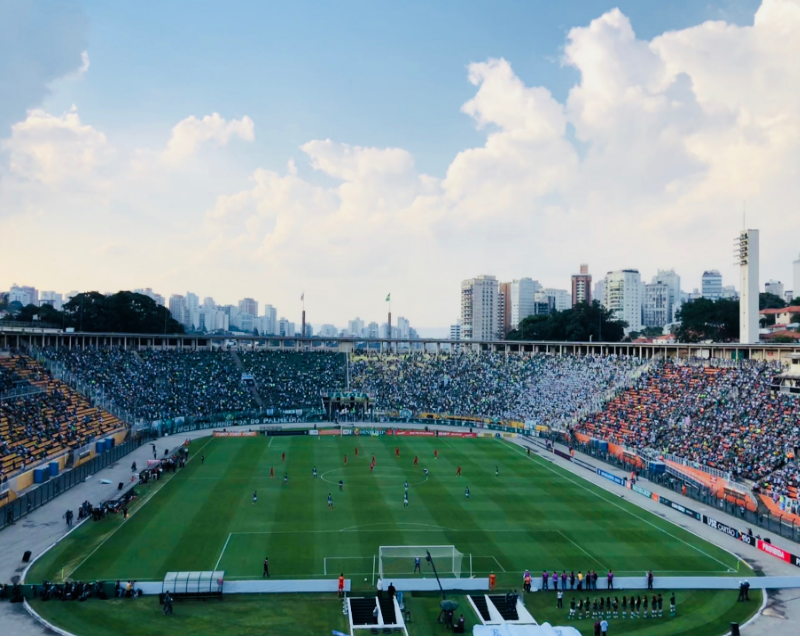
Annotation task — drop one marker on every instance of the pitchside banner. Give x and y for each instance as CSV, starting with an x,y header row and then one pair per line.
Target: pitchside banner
x,y
680,508
232,434
610,477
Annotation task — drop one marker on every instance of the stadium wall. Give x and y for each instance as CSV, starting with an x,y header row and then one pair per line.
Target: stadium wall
x,y
260,587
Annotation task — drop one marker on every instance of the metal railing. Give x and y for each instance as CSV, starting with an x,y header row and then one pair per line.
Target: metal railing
x,y
46,492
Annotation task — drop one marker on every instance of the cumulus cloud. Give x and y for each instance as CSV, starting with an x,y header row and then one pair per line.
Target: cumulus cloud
x,y
40,42
644,164
192,132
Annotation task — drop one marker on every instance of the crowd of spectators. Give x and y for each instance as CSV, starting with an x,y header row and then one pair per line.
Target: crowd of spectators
x,y
291,380
723,416
158,384
538,388
46,420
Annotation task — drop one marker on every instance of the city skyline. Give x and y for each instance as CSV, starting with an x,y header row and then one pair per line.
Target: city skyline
x,y
555,136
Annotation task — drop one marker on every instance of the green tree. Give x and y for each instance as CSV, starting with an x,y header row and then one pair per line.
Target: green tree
x,y
582,323
703,320
123,312
770,301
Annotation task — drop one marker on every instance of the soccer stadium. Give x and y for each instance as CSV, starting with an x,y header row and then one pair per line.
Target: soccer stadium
x,y
483,489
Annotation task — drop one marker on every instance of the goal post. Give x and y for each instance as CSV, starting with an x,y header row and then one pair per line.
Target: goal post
x,y
399,560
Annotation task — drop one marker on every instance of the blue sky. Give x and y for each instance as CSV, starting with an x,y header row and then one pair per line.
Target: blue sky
x,y
378,74
354,148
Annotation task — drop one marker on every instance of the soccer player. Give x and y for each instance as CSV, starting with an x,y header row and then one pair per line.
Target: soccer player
x,y
644,602
373,459
345,459
406,487
405,500
202,459
417,566
602,605
397,452
426,473
580,608
639,606
458,471
266,568
286,478
586,607
272,472
435,453
529,450
341,585
571,614
416,461
624,606
330,502
559,599
314,472
615,606
672,605
356,451
594,608
654,606
341,485
466,493
283,456
496,472
372,466
255,497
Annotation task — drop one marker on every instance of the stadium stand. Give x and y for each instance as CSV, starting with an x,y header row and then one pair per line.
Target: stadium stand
x,y
725,417
546,390
37,427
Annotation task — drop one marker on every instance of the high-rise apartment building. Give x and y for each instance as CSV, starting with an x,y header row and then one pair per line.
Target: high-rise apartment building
x,y
193,310
796,277
271,324
729,292
455,331
561,299
582,286
355,327
624,297
54,299
523,299
147,291
177,309
504,308
479,308
23,294
599,292
711,286
403,327
373,330
656,305
669,278
774,287
248,306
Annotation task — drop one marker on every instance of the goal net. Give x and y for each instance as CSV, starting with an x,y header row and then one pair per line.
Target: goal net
x,y
400,560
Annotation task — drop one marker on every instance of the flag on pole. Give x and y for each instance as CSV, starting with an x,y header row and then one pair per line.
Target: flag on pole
x,y
388,297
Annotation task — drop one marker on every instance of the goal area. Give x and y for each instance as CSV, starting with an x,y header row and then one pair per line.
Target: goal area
x,y
399,560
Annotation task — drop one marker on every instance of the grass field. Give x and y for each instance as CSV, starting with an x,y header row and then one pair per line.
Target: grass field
x,y
532,516
700,612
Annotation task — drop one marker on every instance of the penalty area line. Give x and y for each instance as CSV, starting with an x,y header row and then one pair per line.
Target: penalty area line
x,y
224,547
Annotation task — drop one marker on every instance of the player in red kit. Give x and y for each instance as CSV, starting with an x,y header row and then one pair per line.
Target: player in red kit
x,y
458,471
397,451
345,459
283,456
272,472
435,453
416,461
372,467
356,451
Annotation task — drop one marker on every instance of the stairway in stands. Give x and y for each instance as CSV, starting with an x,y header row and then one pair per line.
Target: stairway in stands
x,y
387,610
252,386
361,610
480,602
507,609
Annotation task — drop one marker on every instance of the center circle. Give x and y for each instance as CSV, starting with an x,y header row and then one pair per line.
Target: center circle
x,y
382,477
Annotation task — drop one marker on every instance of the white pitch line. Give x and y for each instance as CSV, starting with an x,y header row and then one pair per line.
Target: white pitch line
x,y
224,547
270,441
132,512
500,565
696,549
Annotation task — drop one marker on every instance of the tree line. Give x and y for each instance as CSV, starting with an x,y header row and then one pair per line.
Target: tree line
x,y
123,312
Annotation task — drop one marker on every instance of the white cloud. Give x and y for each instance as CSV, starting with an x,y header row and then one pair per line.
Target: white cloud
x,y
671,135
190,133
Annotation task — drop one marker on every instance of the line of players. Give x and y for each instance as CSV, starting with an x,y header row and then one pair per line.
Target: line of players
x,y
608,608
371,469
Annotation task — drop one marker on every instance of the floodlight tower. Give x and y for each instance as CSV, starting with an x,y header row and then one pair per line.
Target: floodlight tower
x,y
746,253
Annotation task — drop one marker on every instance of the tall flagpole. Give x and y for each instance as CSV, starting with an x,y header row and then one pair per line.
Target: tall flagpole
x,y
389,324
303,323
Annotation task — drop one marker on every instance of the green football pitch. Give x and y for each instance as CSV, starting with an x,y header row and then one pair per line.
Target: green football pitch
x,y
532,515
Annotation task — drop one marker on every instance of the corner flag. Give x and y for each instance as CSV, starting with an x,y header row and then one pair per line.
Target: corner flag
x,y
388,297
